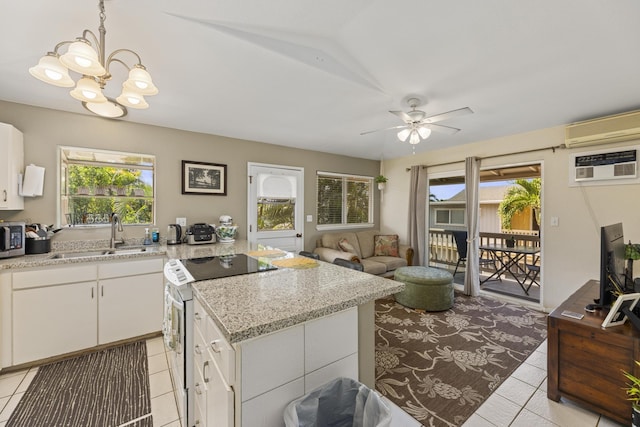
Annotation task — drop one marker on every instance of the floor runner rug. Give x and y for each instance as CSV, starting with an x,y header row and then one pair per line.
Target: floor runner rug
x,y
101,389
440,366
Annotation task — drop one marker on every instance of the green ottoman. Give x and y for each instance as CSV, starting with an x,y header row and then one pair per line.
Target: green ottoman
x,y
427,288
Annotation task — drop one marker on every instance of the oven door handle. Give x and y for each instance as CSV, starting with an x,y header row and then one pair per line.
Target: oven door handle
x,y
176,303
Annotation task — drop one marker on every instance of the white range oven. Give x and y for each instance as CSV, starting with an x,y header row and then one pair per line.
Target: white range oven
x,y
178,316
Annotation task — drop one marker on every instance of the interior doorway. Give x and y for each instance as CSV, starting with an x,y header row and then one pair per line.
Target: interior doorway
x,y
509,221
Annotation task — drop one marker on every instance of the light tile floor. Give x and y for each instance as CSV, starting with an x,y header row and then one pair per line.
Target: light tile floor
x,y
163,404
521,401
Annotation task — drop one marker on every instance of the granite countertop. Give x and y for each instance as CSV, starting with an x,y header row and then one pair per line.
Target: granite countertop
x,y
49,259
251,305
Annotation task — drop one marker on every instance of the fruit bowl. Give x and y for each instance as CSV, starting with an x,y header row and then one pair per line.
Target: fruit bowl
x,y
226,233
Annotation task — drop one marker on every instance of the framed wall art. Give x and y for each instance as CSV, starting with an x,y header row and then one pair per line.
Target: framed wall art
x,y
204,178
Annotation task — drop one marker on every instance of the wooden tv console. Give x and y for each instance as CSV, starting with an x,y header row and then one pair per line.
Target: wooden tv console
x,y
585,361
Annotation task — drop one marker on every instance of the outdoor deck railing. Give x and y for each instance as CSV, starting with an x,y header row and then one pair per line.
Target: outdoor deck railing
x,y
443,250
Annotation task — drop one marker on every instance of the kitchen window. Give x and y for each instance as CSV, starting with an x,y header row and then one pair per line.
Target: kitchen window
x,y
96,183
344,201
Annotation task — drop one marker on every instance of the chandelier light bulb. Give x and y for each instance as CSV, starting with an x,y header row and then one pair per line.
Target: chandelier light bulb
x,y
132,99
88,90
50,70
140,81
110,109
83,59
404,134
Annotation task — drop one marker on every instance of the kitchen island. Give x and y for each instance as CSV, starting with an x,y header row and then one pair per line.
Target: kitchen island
x,y
265,339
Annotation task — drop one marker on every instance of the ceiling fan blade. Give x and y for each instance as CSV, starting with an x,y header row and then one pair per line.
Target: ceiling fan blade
x,y
448,115
442,129
380,130
404,116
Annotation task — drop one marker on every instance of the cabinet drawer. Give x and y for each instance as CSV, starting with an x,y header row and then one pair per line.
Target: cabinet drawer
x,y
200,316
268,408
200,390
330,338
271,361
54,276
200,353
129,268
221,352
347,367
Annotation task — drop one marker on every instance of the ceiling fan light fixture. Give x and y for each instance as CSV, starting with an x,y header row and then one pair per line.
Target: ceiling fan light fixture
x,y
415,138
424,132
404,134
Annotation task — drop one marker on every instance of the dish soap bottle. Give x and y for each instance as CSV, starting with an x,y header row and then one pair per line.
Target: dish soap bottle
x,y
147,237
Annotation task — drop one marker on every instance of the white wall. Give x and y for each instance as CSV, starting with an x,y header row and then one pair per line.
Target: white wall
x,y
570,250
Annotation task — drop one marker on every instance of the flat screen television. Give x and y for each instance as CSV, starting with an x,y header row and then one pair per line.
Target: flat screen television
x,y
612,273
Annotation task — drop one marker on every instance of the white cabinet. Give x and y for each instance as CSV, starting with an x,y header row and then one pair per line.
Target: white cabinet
x,y
12,164
130,300
58,310
54,312
54,320
251,383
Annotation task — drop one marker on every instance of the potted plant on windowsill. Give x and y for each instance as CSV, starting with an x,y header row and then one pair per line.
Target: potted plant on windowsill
x,y
381,180
633,394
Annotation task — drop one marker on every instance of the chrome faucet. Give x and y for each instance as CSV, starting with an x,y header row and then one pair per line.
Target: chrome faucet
x,y
115,220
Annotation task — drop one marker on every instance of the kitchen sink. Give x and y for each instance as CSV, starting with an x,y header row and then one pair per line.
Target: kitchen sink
x,y
105,252
67,255
132,250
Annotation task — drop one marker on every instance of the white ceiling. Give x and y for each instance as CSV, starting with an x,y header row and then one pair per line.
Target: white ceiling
x,y
315,74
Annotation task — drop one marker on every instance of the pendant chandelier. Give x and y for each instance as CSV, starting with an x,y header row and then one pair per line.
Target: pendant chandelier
x,y
87,57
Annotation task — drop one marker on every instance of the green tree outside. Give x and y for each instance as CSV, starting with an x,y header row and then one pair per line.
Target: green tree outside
x,y
124,193
525,193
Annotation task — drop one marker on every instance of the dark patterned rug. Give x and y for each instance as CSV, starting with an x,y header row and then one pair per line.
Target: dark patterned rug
x,y
105,388
440,366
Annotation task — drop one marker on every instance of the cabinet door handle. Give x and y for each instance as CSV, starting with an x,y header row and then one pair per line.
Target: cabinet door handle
x,y
214,346
198,390
197,316
197,349
102,290
205,372
92,292
5,195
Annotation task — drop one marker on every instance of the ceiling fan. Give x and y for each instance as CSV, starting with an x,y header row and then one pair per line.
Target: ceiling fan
x,y
418,126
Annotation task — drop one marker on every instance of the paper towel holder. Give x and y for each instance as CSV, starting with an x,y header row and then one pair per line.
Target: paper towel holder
x,y
33,183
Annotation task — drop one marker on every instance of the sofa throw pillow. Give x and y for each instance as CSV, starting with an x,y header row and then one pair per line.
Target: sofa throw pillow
x,y
386,245
345,246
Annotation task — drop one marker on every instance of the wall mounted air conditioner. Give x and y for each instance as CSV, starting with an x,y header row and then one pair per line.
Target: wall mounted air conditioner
x,y
596,168
604,130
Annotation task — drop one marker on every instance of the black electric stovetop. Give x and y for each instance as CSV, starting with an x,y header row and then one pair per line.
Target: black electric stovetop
x,y
216,267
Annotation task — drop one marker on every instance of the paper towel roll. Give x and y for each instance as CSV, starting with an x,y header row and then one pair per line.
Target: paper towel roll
x,y
33,181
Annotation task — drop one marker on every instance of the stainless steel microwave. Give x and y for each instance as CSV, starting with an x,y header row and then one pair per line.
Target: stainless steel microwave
x,y
11,239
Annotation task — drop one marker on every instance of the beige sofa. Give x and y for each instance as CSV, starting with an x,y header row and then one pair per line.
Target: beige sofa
x,y
362,244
